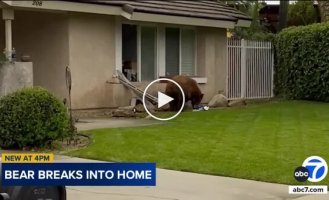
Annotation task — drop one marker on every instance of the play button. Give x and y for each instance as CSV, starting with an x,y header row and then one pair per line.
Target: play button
x,y
162,99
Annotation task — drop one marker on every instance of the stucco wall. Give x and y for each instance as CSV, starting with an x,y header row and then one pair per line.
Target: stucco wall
x,y
14,76
212,60
92,62
43,36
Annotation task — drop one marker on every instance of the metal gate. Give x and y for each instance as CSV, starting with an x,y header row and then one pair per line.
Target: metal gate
x,y
250,69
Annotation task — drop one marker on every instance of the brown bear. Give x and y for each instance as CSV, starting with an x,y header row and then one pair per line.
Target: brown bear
x,y
191,90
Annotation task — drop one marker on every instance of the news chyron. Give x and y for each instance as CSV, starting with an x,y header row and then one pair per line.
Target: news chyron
x,y
41,169
314,169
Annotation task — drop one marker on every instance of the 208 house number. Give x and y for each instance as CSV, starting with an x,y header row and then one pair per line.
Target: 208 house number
x,y
36,3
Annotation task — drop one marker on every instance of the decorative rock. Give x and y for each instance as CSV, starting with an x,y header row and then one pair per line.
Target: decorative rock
x,y
237,103
139,108
150,107
123,113
163,108
218,100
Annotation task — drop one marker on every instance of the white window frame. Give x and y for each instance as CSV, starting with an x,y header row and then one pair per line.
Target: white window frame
x,y
161,51
160,68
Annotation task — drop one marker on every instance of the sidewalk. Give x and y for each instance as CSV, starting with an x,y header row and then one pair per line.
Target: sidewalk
x,y
88,124
174,185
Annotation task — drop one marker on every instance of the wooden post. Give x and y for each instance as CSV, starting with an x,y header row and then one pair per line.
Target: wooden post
x,y
283,14
324,10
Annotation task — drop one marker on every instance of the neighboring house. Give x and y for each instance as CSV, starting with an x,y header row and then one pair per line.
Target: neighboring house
x,y
143,39
269,16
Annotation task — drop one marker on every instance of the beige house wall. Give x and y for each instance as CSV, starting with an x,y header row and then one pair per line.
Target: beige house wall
x,y
86,43
212,60
92,62
44,37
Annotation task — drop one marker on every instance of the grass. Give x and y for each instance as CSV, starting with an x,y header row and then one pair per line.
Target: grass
x,y
263,142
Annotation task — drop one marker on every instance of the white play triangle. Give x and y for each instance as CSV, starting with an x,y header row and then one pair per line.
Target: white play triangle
x,y
163,99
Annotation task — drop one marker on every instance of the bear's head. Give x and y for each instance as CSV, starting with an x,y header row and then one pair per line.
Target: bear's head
x,y
196,99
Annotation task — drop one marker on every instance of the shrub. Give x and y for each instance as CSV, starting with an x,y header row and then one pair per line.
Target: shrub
x,y
302,68
32,117
3,59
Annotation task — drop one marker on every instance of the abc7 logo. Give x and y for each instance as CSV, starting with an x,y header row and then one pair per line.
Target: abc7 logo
x,y
314,169
301,174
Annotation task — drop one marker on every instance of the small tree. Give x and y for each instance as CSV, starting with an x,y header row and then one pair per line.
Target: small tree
x,y
301,13
256,31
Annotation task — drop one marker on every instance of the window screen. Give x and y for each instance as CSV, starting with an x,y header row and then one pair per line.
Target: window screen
x,y
129,51
172,51
148,53
187,52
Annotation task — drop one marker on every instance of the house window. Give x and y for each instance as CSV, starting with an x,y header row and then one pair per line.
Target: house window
x,y
172,51
148,53
129,51
141,56
139,52
180,51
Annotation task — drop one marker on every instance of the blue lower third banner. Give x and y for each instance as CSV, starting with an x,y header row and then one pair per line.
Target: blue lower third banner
x,y
101,174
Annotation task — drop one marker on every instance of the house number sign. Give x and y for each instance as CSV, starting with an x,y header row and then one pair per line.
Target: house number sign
x,y
37,3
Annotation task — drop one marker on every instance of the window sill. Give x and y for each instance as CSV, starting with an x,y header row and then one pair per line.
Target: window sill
x,y
198,79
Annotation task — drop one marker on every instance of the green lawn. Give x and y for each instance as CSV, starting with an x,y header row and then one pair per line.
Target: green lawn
x,y
261,142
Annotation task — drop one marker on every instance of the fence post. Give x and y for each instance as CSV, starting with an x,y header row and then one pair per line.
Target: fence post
x,y
227,67
243,68
272,65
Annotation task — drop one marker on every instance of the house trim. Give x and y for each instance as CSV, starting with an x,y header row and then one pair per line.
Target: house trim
x,y
161,50
67,6
158,18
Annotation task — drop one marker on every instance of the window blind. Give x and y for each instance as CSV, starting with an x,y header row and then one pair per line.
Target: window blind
x,y
148,53
187,52
172,51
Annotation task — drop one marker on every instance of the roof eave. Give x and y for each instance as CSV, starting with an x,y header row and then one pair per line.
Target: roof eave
x,y
243,23
169,19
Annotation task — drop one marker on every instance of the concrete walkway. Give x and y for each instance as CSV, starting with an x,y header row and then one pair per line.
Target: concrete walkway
x,y
88,124
174,185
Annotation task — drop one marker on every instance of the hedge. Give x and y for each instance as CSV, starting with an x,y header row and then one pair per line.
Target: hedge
x,y
302,62
32,117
